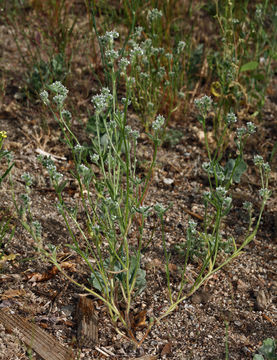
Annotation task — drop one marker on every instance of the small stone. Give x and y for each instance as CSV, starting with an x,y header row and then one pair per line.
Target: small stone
x,y
168,181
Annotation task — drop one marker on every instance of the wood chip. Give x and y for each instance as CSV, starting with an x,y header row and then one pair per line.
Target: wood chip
x,y
87,333
166,349
12,293
44,344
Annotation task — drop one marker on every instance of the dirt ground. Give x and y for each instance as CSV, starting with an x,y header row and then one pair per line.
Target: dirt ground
x,y
243,294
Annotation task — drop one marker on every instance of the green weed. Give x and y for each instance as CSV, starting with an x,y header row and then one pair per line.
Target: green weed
x,y
5,228
111,203
267,351
151,79
45,49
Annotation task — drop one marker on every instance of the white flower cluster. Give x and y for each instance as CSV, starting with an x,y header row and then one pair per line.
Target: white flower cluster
x,y
48,163
109,37
45,97
158,123
204,104
250,129
26,177
180,47
192,227
67,115
154,15
111,55
102,101
221,192
136,51
231,118
61,93
94,158
123,63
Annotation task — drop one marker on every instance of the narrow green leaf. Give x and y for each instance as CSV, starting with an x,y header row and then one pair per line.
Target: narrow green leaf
x,y
61,186
6,173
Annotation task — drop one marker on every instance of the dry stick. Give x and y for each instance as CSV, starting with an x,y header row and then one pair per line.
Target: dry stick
x,y
191,213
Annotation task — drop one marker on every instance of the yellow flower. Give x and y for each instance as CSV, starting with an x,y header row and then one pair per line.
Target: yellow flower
x,y
3,134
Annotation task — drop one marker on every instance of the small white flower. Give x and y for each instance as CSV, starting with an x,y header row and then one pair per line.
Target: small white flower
x,y
102,100
137,32
266,167
79,148
125,101
136,51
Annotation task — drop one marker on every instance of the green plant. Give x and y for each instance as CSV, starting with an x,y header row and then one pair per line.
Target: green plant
x,y
138,10
267,351
156,76
217,206
243,66
106,43
5,221
172,137
227,89
109,238
4,232
45,52
4,154
113,203
221,177
98,282
258,51
44,73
